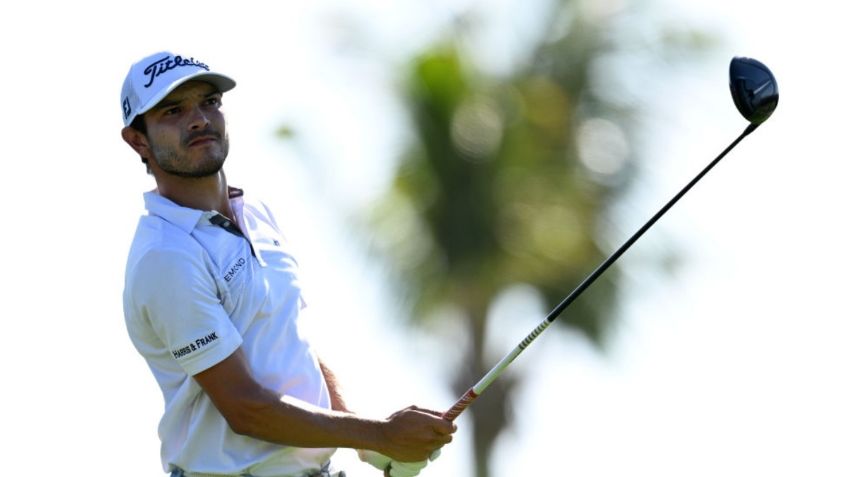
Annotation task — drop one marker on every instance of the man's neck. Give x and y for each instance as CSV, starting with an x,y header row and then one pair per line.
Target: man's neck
x,y
205,193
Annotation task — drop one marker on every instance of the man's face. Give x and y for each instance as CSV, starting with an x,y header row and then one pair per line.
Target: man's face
x,y
187,133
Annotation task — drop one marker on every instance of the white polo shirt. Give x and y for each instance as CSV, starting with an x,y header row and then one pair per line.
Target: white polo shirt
x,y
195,292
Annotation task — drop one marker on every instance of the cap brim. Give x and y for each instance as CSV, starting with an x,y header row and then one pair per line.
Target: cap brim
x,y
222,82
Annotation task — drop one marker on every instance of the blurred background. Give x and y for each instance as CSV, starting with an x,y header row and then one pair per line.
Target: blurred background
x,y
447,172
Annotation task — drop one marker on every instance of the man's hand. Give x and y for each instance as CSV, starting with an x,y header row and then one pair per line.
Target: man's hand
x,y
413,434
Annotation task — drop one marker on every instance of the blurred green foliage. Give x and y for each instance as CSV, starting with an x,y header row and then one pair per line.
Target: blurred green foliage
x,y
511,177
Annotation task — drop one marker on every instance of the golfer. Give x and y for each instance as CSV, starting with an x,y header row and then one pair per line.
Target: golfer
x,y
212,302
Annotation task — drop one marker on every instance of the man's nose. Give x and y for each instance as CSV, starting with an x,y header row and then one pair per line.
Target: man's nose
x,y
198,119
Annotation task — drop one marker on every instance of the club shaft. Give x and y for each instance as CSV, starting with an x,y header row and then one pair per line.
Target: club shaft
x,y
499,368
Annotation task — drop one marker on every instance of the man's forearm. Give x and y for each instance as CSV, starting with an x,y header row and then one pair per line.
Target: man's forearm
x,y
408,435
296,423
252,410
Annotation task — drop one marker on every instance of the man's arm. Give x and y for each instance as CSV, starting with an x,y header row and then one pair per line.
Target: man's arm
x,y
333,386
411,434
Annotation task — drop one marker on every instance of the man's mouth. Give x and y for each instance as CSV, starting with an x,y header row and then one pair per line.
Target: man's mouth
x,y
203,139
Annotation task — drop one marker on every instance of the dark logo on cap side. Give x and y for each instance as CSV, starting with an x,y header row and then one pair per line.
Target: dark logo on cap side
x,y
127,108
166,64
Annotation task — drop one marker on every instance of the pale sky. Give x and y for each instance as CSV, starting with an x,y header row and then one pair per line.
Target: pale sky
x,y
733,366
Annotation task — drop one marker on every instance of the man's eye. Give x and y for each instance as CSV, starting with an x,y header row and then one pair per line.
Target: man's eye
x,y
171,111
214,101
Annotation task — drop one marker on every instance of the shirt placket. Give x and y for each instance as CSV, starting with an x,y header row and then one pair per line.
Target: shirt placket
x,y
217,219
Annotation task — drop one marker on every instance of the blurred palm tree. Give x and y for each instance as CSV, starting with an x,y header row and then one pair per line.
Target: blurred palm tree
x,y
510,179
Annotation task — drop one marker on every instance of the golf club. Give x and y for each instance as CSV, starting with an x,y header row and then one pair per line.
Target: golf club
x,y
755,94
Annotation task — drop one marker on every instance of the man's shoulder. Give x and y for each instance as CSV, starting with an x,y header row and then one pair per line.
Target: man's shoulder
x,y
160,241
154,232
161,260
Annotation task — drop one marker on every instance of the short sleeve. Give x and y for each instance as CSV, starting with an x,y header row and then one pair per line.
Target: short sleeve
x,y
175,293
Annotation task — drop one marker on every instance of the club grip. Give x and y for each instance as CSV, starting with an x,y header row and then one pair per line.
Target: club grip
x,y
465,401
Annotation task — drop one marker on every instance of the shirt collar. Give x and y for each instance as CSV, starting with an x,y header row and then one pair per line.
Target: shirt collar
x,y
184,218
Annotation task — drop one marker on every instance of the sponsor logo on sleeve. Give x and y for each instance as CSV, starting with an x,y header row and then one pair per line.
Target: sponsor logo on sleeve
x,y
195,345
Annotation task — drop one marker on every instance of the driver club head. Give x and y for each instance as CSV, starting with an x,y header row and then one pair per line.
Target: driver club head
x,y
754,89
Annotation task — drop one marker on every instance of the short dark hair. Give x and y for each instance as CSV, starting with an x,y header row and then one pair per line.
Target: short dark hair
x,y
138,124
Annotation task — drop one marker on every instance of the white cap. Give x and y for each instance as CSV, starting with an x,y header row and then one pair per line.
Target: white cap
x,y
154,77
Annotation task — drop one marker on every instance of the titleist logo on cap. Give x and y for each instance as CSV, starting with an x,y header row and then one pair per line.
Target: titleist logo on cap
x,y
163,65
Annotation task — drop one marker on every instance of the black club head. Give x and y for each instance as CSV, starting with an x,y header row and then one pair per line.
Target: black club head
x,y
754,89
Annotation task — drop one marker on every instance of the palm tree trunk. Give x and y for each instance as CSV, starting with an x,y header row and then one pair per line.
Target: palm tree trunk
x,y
489,414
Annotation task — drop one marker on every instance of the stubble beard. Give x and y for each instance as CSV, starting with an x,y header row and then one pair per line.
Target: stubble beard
x,y
177,163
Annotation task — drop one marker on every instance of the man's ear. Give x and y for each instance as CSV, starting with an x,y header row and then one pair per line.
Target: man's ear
x,y
136,140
